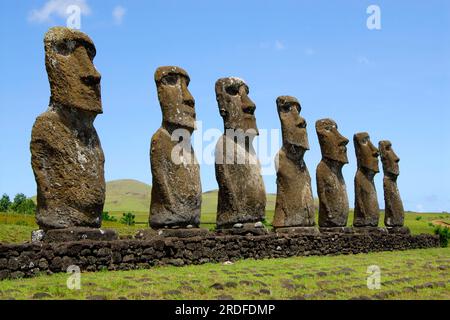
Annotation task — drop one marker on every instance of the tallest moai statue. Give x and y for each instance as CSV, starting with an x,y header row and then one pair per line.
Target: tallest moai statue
x,y
66,154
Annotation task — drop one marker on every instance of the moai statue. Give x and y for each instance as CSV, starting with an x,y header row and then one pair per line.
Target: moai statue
x,y
331,188
176,188
66,154
242,196
393,207
367,211
294,207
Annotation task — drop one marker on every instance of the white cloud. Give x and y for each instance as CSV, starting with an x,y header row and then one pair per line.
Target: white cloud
x,y
309,51
118,14
276,45
58,8
279,45
363,60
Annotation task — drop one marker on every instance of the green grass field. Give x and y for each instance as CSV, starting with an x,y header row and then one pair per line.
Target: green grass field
x,y
413,274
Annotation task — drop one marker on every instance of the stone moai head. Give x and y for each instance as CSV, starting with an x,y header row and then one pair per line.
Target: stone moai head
x,y
332,143
366,153
236,108
74,80
293,126
388,158
177,103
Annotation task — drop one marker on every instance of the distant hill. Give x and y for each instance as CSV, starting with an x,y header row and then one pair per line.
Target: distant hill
x,y
127,195
134,195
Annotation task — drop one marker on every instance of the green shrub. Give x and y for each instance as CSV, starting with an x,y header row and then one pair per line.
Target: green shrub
x,y
419,218
267,224
107,217
5,203
22,204
128,219
444,235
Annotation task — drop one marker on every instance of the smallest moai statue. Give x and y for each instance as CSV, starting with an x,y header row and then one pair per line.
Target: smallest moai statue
x,y
393,206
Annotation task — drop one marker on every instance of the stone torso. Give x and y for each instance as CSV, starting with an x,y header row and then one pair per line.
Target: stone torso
x,y
295,204
176,191
242,196
67,160
367,210
394,212
333,199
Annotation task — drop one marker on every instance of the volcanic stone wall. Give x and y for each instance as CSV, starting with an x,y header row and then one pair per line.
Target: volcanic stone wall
x,y
29,259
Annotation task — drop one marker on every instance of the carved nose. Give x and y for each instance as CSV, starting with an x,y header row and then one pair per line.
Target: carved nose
x,y
189,102
301,123
344,141
249,109
188,99
248,106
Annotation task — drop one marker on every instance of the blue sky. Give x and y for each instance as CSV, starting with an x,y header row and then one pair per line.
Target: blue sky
x,y
393,83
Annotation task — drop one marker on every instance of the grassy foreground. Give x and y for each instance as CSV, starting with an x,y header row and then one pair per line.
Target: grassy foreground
x,y
413,274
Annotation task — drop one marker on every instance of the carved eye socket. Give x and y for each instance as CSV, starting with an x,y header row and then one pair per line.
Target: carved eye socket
x,y
170,80
232,90
64,48
286,108
91,52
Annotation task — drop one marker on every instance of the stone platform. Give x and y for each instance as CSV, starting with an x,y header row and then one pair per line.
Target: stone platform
x,y
30,259
73,234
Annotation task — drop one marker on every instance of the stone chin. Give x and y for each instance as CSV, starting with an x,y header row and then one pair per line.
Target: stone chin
x,y
297,143
188,124
247,125
340,156
372,166
393,171
87,106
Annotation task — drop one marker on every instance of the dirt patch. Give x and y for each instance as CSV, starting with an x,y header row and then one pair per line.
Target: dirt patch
x,y
441,223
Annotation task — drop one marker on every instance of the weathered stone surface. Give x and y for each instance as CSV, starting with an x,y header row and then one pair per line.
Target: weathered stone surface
x,y
331,188
294,205
403,229
242,196
183,232
347,230
66,155
244,229
176,190
367,211
393,206
75,234
370,230
299,230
